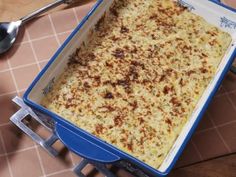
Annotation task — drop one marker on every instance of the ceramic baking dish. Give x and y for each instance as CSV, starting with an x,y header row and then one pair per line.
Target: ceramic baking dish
x,y
92,148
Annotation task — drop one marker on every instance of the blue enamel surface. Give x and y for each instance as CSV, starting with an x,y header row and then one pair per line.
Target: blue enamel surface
x,y
81,142
80,145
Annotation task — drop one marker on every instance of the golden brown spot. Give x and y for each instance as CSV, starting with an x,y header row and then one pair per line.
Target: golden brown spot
x,y
167,90
134,105
130,146
119,53
114,11
181,82
118,121
124,29
108,95
169,122
86,85
141,120
99,128
175,101
203,70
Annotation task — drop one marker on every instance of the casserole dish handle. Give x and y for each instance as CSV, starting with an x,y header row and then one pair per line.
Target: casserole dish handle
x,y
84,147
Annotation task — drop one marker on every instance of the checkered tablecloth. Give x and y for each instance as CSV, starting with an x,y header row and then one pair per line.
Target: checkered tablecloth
x,y
21,157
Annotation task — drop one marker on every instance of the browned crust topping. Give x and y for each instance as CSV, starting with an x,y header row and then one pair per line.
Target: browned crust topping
x,y
138,80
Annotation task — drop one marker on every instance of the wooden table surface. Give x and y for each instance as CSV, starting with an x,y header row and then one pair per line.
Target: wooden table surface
x,y
11,10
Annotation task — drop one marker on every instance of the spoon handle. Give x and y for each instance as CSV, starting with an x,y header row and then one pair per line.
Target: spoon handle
x,y
43,9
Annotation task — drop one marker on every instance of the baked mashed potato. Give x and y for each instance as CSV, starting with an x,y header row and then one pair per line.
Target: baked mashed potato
x,y
139,78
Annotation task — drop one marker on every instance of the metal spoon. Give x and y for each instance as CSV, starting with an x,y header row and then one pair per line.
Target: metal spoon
x,y
9,30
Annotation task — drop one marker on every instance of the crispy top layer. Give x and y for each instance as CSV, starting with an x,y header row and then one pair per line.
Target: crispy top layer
x,y
137,81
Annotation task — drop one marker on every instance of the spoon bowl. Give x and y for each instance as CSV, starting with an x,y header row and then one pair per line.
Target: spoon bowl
x,y
8,34
9,30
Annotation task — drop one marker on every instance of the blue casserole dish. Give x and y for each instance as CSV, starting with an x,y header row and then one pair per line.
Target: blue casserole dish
x,y
92,148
